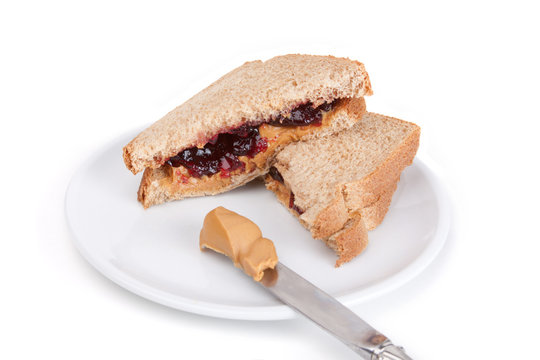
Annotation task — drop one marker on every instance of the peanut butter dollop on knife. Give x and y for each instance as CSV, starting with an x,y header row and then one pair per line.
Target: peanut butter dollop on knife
x,y
236,236
241,240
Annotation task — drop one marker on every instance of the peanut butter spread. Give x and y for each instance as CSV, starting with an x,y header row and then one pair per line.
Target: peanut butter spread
x,y
239,238
277,136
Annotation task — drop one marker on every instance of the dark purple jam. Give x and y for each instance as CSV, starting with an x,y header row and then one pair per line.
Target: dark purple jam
x,y
221,152
275,174
304,115
293,206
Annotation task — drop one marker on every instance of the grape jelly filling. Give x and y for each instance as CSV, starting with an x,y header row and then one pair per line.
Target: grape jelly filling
x,y
293,206
304,115
276,175
221,152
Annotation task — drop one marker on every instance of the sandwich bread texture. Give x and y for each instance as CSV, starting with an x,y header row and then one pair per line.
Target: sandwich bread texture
x,y
250,94
341,186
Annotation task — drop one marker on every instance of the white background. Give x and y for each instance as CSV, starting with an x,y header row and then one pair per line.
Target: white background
x,y
75,75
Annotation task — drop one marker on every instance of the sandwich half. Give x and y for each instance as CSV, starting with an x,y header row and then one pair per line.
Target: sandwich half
x,y
341,186
230,132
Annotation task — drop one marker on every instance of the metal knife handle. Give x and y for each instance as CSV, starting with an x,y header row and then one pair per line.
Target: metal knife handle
x,y
330,314
389,351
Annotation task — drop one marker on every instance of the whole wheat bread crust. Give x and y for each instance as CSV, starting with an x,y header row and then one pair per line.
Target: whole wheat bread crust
x,y
351,238
374,214
253,93
349,241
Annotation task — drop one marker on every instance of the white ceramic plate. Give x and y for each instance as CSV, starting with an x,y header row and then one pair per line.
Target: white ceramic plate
x,y
155,253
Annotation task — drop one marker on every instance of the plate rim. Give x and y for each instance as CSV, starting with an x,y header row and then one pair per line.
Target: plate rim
x,y
272,312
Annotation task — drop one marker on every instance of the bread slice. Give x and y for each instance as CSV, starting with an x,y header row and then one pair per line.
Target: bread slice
x,y
341,186
253,93
167,183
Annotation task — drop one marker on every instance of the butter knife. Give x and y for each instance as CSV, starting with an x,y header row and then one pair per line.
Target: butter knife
x,y
330,315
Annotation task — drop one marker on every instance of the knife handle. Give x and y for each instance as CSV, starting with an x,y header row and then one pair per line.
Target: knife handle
x,y
389,351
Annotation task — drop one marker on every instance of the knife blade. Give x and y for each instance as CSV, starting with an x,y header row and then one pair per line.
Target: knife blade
x,y
330,314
